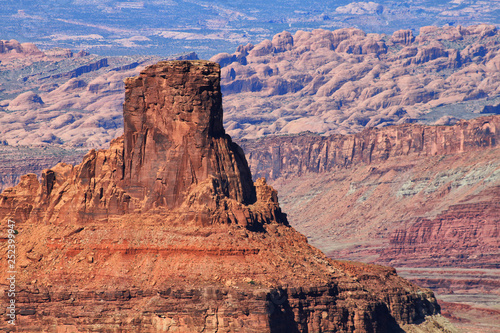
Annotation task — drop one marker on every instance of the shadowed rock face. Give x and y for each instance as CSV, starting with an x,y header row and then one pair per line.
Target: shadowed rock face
x,y
174,135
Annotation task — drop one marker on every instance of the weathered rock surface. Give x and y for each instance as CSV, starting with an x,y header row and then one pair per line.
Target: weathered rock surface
x,y
423,199
174,135
18,161
326,82
99,249
13,47
295,155
342,81
64,99
26,101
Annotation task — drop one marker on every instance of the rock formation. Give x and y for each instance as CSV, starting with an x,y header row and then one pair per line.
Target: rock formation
x,y
82,99
295,155
325,82
342,81
164,231
13,47
176,138
26,101
423,199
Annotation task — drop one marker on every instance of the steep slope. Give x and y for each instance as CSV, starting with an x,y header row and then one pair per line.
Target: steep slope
x,y
423,199
342,81
165,231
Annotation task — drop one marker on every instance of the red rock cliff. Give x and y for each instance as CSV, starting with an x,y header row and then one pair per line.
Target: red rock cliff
x,y
174,135
272,157
423,199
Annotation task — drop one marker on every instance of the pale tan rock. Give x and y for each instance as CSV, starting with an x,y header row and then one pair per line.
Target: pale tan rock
x,y
26,101
404,37
329,77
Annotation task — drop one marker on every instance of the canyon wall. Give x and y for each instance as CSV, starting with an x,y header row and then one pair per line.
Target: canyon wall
x,y
285,156
423,199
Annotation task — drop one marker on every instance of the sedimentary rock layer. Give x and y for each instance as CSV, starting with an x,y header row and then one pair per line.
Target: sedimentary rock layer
x,y
422,198
278,156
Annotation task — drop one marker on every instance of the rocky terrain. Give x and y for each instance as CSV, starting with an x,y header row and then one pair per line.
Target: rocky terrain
x,y
342,81
58,97
336,188
116,27
326,82
166,231
17,161
423,199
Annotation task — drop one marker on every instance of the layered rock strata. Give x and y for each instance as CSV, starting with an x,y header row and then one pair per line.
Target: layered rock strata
x,y
442,182
423,199
285,156
165,231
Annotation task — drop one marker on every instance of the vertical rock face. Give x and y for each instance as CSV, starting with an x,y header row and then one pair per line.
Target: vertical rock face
x,y
273,157
174,135
404,37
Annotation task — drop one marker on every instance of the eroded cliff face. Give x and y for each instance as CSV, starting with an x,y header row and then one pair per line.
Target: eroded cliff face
x,y
173,139
174,135
441,182
284,156
165,231
423,199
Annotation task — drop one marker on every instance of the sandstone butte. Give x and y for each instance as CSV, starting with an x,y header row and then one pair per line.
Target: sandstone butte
x,y
166,231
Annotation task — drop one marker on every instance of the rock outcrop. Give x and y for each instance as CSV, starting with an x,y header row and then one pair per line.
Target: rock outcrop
x,y
463,235
165,231
456,224
26,101
80,70
404,37
185,122
13,47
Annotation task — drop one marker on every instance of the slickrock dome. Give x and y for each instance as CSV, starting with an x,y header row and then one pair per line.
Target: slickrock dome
x,y
165,231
